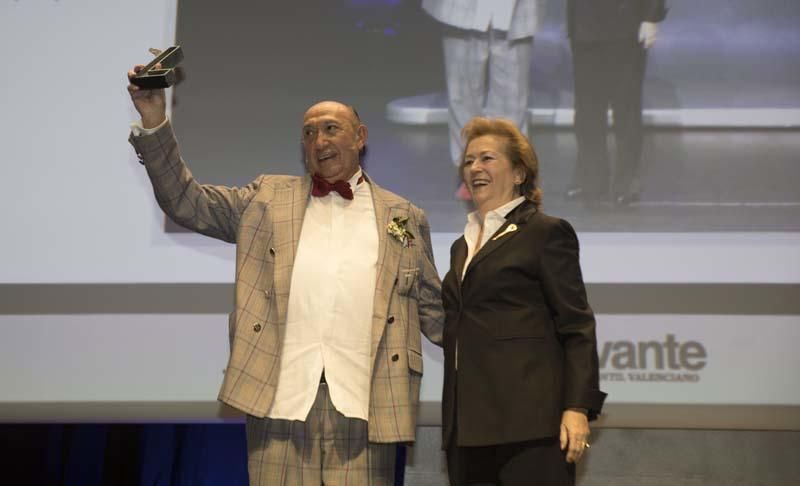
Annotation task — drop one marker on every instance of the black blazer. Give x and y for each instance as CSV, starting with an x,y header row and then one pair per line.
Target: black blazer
x,y
526,335
604,20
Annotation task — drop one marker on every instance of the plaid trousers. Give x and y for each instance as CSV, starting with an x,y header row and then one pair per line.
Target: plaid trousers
x,y
327,449
487,75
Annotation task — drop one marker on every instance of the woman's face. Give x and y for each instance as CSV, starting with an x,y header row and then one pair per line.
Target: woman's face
x,y
489,174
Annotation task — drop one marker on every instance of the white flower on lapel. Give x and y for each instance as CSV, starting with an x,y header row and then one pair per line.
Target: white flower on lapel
x,y
397,228
509,229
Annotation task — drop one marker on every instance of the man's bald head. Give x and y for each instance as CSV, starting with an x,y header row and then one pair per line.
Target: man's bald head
x,y
345,110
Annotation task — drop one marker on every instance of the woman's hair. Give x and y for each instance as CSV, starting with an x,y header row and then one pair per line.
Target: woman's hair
x,y
518,149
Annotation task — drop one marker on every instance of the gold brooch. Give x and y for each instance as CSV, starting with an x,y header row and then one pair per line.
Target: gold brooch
x,y
397,228
509,229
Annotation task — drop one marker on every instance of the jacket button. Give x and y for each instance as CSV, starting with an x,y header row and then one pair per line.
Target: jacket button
x,y
257,327
272,251
395,357
390,319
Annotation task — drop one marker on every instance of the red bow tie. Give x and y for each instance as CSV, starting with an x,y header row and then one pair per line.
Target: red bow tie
x,y
321,187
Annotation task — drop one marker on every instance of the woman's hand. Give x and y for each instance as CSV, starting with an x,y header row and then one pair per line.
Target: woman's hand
x,y
574,435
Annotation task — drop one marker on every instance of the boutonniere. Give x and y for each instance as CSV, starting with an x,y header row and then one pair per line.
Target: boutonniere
x,y
397,228
509,229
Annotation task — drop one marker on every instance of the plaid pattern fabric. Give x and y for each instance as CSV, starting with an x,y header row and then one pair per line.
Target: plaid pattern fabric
x,y
264,219
328,448
486,75
525,19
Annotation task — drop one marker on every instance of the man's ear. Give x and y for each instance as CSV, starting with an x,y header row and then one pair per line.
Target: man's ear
x,y
361,136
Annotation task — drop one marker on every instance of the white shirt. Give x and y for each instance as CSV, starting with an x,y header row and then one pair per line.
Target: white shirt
x,y
491,223
329,319
138,130
494,13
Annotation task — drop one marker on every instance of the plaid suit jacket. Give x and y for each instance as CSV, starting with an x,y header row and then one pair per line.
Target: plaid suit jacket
x,y
525,19
264,219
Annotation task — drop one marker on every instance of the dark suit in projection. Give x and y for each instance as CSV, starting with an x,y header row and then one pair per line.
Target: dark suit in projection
x,y
609,64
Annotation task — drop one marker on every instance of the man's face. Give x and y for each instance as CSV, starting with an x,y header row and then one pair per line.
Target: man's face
x,y
332,140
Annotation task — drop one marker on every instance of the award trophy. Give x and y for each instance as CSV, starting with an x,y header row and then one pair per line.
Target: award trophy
x,y
165,76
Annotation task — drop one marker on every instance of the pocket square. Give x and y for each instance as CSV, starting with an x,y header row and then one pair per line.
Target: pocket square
x,y
509,229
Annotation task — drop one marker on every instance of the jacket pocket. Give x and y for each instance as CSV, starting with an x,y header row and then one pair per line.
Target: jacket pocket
x,y
414,361
406,280
519,330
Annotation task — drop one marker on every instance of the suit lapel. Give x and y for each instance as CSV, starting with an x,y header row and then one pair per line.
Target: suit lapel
x,y
459,257
288,209
515,221
300,195
389,255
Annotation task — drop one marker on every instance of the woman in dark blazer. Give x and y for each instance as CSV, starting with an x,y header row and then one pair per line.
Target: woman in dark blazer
x,y
521,368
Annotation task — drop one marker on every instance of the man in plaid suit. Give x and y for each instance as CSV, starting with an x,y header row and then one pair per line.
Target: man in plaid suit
x,y
335,279
487,56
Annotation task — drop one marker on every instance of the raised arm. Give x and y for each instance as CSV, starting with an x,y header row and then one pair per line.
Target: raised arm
x,y
207,209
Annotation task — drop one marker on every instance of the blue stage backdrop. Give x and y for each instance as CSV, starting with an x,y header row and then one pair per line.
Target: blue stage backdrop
x,y
128,455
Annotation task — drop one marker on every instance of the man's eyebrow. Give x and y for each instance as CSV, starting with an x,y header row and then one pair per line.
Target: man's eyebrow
x,y
322,121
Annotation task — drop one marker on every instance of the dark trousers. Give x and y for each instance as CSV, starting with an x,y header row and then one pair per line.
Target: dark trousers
x,y
608,73
530,463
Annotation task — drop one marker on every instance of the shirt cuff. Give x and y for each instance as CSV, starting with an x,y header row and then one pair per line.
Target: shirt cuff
x,y
139,131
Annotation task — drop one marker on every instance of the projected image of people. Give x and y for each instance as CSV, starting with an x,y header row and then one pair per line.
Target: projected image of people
x,y
609,41
620,95
487,56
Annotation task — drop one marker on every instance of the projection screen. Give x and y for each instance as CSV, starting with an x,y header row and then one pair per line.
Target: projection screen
x,y
109,312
